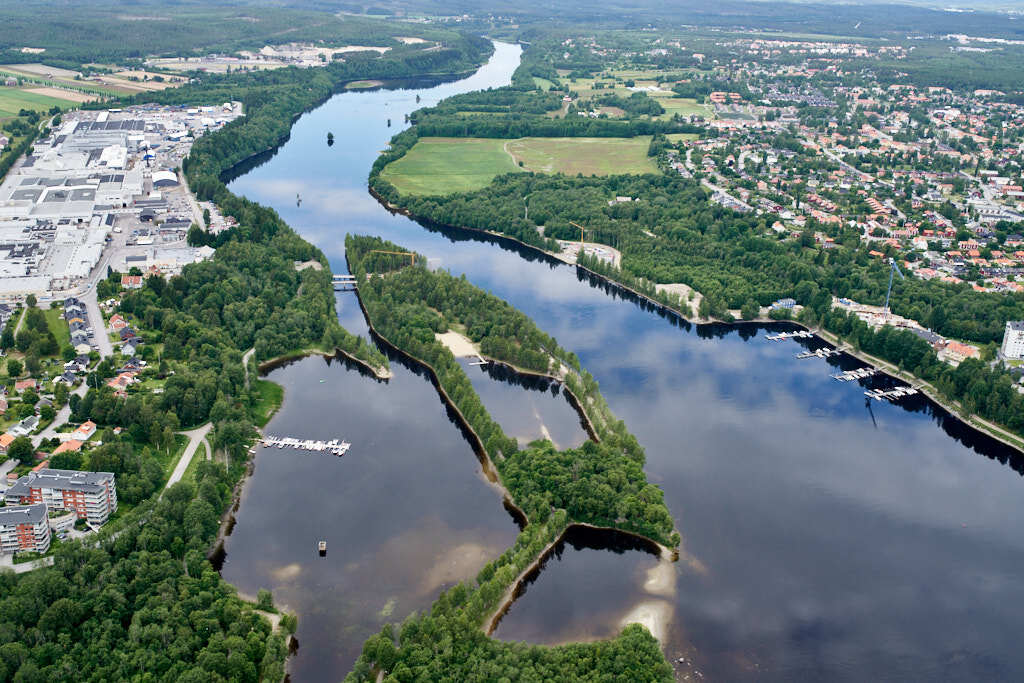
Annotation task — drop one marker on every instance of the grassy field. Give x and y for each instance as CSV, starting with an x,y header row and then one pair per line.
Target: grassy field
x,y
55,321
447,165
12,100
677,137
543,83
684,106
271,397
589,156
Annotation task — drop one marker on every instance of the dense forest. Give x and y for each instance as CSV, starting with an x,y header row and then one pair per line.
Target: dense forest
x,y
143,603
601,483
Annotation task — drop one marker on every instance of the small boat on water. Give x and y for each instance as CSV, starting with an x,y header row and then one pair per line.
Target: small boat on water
x,y
322,547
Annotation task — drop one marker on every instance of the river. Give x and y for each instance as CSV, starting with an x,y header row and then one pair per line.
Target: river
x,y
823,538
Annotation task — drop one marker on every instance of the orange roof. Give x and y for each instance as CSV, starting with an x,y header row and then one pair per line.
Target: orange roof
x,y
69,446
6,439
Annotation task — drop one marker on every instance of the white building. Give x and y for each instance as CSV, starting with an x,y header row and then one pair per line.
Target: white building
x,y
1013,340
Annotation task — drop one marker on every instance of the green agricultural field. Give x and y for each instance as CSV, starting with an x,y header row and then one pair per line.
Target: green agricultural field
x,y
589,156
447,165
13,100
677,137
684,106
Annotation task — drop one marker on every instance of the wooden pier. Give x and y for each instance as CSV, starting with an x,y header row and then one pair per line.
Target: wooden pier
x,y
334,446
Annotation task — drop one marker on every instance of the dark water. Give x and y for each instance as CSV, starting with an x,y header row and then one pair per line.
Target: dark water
x,y
583,591
405,513
526,407
824,538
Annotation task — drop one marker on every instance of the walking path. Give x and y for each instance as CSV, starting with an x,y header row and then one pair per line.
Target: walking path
x,y
245,364
195,436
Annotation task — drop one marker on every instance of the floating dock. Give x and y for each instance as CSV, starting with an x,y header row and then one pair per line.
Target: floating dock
x,y
820,353
334,446
781,336
890,394
859,373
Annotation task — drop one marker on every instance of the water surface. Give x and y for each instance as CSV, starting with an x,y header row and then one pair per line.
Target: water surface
x,y
823,538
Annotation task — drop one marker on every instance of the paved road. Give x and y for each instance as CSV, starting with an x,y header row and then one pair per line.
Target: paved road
x,y
197,213
99,328
61,418
195,437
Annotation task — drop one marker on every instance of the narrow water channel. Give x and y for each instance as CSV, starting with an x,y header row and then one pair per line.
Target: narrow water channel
x,y
825,538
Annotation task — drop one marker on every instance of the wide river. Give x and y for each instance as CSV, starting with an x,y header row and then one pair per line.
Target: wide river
x,y
824,538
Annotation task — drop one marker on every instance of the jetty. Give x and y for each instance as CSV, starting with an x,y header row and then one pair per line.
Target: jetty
x,y
859,373
480,360
334,446
890,394
781,336
820,353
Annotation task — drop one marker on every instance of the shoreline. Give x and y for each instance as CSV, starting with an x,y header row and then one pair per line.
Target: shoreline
x,y
380,373
987,428
513,592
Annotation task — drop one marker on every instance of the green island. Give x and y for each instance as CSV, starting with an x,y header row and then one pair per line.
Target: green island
x,y
602,483
701,259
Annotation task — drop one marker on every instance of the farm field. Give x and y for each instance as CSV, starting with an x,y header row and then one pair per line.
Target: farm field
x,y
447,165
589,156
12,100
543,83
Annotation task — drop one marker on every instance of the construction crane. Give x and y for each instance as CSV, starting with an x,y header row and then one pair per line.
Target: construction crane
x,y
581,232
411,255
895,269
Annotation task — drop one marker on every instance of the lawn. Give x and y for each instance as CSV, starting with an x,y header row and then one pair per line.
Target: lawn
x,y
684,106
447,165
271,396
589,156
12,100
55,321
677,137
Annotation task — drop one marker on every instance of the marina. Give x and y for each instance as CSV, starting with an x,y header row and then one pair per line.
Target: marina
x,y
334,446
891,394
782,336
820,353
860,373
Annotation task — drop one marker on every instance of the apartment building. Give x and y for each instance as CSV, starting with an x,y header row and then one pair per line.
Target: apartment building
x,y
1013,340
24,528
92,495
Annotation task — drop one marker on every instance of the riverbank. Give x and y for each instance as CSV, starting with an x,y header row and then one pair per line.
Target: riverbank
x,y
380,372
974,422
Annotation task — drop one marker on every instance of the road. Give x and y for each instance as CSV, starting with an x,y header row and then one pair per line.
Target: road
x,y
195,437
245,364
197,213
61,418
99,328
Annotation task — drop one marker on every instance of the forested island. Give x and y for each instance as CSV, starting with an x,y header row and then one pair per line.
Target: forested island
x,y
601,483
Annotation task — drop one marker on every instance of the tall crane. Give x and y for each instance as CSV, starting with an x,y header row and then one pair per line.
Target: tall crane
x,y
895,269
581,232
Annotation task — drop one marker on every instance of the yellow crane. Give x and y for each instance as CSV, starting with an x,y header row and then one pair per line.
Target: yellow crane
x,y
581,232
